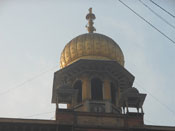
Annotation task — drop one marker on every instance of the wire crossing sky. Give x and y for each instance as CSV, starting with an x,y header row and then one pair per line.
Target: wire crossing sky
x,y
148,22
34,33
163,9
157,14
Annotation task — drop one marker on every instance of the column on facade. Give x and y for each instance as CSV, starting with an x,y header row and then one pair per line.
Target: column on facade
x,y
86,89
106,89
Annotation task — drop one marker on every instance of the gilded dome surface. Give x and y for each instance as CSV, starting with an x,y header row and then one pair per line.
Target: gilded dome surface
x,y
91,46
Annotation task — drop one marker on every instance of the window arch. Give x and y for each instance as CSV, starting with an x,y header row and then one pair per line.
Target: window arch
x,y
113,94
78,86
96,89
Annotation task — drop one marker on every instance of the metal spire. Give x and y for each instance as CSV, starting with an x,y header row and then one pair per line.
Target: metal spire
x,y
90,17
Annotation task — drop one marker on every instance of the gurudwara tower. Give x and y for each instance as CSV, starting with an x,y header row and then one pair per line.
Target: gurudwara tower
x,y
94,83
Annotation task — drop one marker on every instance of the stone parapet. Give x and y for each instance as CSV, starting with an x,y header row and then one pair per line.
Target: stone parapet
x,y
103,120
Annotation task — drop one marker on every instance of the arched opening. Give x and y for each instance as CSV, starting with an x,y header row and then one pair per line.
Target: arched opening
x,y
96,89
78,86
113,94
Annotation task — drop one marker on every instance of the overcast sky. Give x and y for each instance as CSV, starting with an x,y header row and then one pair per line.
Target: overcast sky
x,y
34,32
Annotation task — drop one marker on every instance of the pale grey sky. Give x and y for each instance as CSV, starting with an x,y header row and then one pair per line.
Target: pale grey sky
x,y
33,34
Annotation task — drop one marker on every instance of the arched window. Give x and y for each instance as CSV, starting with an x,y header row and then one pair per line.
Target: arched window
x,y
78,86
96,89
113,94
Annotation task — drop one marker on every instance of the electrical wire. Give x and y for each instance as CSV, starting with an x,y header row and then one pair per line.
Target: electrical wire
x,y
29,80
137,82
52,118
38,114
163,104
150,121
147,22
157,14
162,8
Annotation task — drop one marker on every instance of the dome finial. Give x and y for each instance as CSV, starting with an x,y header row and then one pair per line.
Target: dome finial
x,y
90,17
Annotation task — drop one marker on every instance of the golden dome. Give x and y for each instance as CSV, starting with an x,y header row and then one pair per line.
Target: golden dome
x,y
91,46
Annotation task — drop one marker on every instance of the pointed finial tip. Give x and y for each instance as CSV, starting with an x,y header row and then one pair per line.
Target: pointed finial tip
x,y
90,17
90,10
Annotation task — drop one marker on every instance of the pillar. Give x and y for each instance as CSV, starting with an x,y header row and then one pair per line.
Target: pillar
x,y
106,89
86,89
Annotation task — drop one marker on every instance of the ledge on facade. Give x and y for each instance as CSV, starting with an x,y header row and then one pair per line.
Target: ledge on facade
x,y
30,121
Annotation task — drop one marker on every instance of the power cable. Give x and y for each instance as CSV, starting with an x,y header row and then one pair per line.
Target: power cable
x,y
162,8
40,114
147,22
158,100
23,83
150,121
155,98
161,103
52,118
157,14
